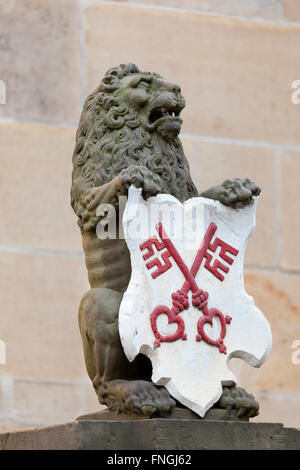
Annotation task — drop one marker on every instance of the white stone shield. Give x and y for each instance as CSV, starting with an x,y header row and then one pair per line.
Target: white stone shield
x,y
185,306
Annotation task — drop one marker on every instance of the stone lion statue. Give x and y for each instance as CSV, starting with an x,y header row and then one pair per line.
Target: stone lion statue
x,y
128,134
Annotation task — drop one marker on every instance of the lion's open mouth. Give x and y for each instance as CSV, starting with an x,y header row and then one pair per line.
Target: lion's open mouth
x,y
165,120
162,112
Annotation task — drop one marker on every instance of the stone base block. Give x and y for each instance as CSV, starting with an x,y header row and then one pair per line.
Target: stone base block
x,y
158,434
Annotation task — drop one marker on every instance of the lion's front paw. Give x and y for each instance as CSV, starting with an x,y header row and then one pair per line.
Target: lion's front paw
x,y
237,398
237,192
141,177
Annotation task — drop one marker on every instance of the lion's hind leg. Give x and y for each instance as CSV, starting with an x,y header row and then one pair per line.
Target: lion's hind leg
x,y
115,380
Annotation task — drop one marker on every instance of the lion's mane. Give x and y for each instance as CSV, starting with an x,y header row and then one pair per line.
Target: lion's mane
x,y
110,137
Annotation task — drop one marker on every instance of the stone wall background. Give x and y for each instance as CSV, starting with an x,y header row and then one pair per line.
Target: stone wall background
x,y
235,61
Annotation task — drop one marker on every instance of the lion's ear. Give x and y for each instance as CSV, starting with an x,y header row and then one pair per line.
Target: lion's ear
x,y
109,83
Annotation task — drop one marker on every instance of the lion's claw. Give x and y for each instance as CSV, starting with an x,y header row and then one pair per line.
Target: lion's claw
x,y
141,177
237,398
235,192
238,192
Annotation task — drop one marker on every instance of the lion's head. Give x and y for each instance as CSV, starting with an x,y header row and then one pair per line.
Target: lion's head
x,y
132,118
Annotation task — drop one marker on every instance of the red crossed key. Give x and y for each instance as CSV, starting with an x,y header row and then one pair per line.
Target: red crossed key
x,y
199,297
180,300
213,268
161,268
223,254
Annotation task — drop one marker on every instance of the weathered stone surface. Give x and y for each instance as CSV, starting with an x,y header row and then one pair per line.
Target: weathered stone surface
x,y
292,10
274,407
158,434
35,185
234,84
193,370
290,225
27,403
258,8
40,63
14,425
278,296
91,403
6,397
212,162
36,401
60,437
39,323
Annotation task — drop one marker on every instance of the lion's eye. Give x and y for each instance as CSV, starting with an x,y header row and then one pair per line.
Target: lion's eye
x,y
145,86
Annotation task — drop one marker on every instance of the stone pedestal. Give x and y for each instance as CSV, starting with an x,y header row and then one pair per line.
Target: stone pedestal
x,y
155,434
